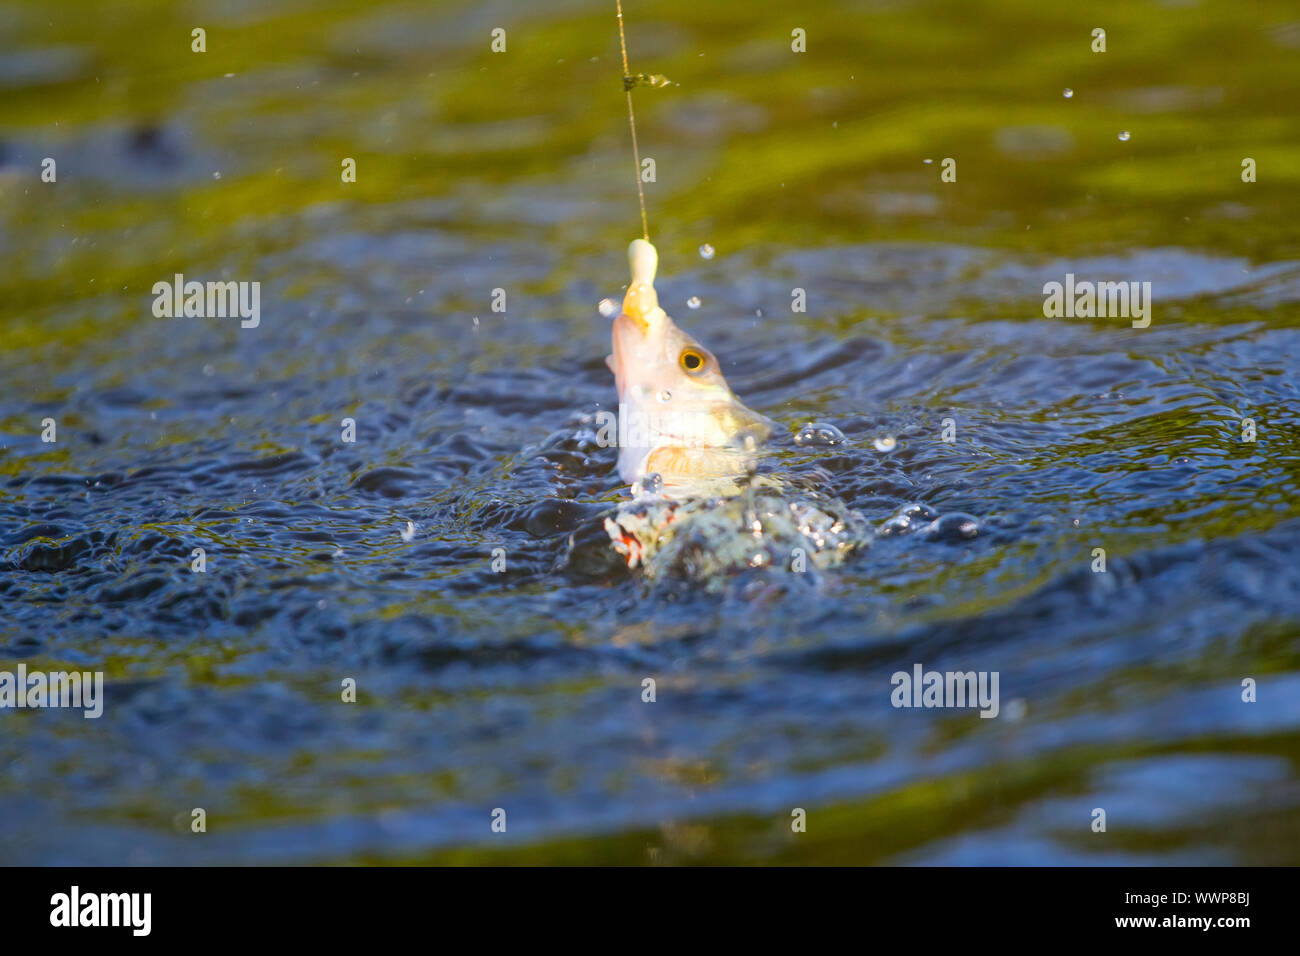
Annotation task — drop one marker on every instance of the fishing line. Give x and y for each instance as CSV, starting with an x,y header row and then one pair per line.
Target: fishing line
x,y
628,82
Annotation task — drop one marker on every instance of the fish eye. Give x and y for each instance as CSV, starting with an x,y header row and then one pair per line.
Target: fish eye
x,y
692,360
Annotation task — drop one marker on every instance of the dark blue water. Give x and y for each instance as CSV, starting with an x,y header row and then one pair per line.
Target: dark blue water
x,y
521,689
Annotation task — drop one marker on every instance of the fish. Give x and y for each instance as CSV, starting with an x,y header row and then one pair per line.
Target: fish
x,y
688,447
709,540
678,417
700,512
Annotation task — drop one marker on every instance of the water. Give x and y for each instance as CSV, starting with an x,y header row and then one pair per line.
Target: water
x,y
499,665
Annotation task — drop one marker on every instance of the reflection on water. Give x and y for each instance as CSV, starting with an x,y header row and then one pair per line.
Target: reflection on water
x,y
522,688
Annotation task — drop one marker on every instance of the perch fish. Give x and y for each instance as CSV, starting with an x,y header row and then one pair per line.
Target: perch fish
x,y
678,418
688,447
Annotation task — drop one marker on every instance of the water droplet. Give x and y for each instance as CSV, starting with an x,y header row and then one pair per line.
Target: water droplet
x,y
899,524
693,302
706,251
1067,93
886,443
819,434
952,527
915,511
665,396
607,307
1123,136
651,484
217,174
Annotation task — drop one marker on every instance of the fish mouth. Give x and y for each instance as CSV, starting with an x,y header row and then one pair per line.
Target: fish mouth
x,y
641,307
630,331
641,302
632,343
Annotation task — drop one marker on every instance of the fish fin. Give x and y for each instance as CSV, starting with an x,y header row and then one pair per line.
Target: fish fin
x,y
609,363
686,467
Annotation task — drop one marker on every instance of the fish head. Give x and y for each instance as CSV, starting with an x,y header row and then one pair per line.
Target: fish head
x,y
678,416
